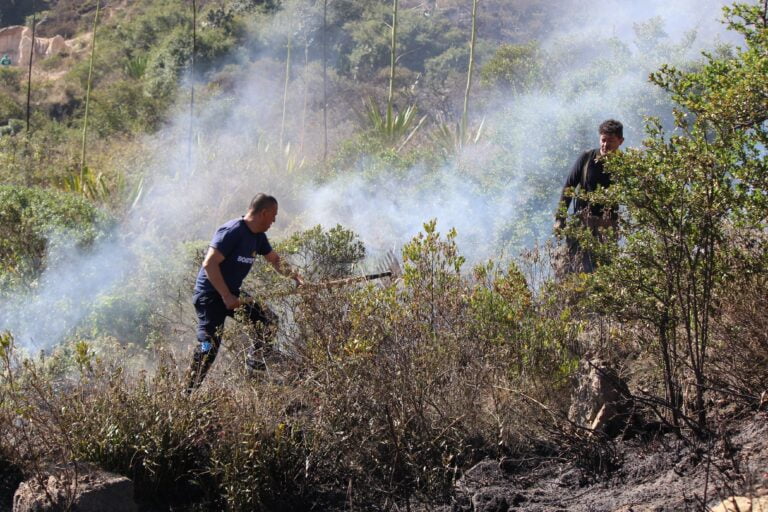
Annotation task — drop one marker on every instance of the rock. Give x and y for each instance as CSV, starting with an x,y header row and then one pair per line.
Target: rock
x,y
94,490
600,400
16,41
742,504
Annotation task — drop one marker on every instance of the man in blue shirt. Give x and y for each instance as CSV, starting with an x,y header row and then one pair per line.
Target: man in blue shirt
x,y
230,256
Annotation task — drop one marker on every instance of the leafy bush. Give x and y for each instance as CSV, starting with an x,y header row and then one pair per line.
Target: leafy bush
x,y
9,109
415,379
322,254
690,198
389,392
518,68
11,78
31,218
166,62
365,50
124,107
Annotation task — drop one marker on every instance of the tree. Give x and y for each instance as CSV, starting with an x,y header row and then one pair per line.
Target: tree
x,y
688,197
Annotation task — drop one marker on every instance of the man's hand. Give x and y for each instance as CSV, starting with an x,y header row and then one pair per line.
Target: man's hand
x,y
212,266
231,302
283,269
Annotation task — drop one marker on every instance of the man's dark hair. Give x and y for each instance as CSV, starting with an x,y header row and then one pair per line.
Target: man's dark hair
x,y
611,127
261,202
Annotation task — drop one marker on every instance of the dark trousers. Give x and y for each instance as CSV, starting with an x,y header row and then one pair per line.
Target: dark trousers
x,y
211,313
581,259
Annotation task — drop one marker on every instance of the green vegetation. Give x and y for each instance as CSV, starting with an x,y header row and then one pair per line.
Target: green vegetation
x,y
382,393
696,213
31,219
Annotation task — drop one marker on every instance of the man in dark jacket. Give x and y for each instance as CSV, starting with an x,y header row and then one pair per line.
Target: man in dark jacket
x,y
587,174
230,257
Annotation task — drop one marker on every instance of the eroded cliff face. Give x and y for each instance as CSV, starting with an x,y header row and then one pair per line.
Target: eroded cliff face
x,y
16,42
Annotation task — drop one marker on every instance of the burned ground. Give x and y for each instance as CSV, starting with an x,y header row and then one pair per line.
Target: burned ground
x,y
662,474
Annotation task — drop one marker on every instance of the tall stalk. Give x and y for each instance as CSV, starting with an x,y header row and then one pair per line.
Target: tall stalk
x,y
31,57
325,83
285,89
470,69
765,13
306,94
29,96
192,84
392,61
88,90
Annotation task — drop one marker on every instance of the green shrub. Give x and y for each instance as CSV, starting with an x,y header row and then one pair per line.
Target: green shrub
x,y
124,107
412,386
690,201
517,68
9,109
321,254
51,62
30,219
166,62
11,78
387,392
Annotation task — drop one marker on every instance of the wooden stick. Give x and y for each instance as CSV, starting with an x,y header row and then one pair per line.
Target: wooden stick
x,y
348,280
311,287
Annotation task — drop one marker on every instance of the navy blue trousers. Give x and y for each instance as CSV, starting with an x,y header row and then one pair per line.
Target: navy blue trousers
x,y
211,313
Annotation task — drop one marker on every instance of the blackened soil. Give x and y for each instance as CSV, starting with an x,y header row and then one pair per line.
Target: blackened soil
x,y
663,474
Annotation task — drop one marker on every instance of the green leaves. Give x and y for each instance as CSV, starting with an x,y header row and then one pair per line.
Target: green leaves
x,y
689,198
31,218
517,68
324,254
395,128
136,66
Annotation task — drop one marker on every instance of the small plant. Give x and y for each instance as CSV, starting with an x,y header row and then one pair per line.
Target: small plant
x,y
394,128
322,254
88,184
136,67
450,139
11,78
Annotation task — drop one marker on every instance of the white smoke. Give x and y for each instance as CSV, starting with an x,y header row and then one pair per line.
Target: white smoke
x,y
503,189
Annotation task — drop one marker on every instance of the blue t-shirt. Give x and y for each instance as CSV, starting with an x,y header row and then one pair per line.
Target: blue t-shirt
x,y
240,246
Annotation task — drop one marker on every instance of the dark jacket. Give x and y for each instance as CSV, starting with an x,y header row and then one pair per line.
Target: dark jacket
x,y
587,173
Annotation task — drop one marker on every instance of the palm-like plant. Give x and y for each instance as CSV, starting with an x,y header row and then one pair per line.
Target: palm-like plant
x,y
450,138
392,126
136,67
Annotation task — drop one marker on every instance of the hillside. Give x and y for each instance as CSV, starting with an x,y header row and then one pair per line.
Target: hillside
x,y
445,334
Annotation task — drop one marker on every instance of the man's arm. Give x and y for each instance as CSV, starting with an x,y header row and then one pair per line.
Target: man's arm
x,y
274,259
211,264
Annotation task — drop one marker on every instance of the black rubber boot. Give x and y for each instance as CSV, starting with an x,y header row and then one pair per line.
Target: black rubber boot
x,y
201,362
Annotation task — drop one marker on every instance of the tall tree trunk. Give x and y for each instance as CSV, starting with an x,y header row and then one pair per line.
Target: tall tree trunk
x,y
285,90
88,92
470,69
